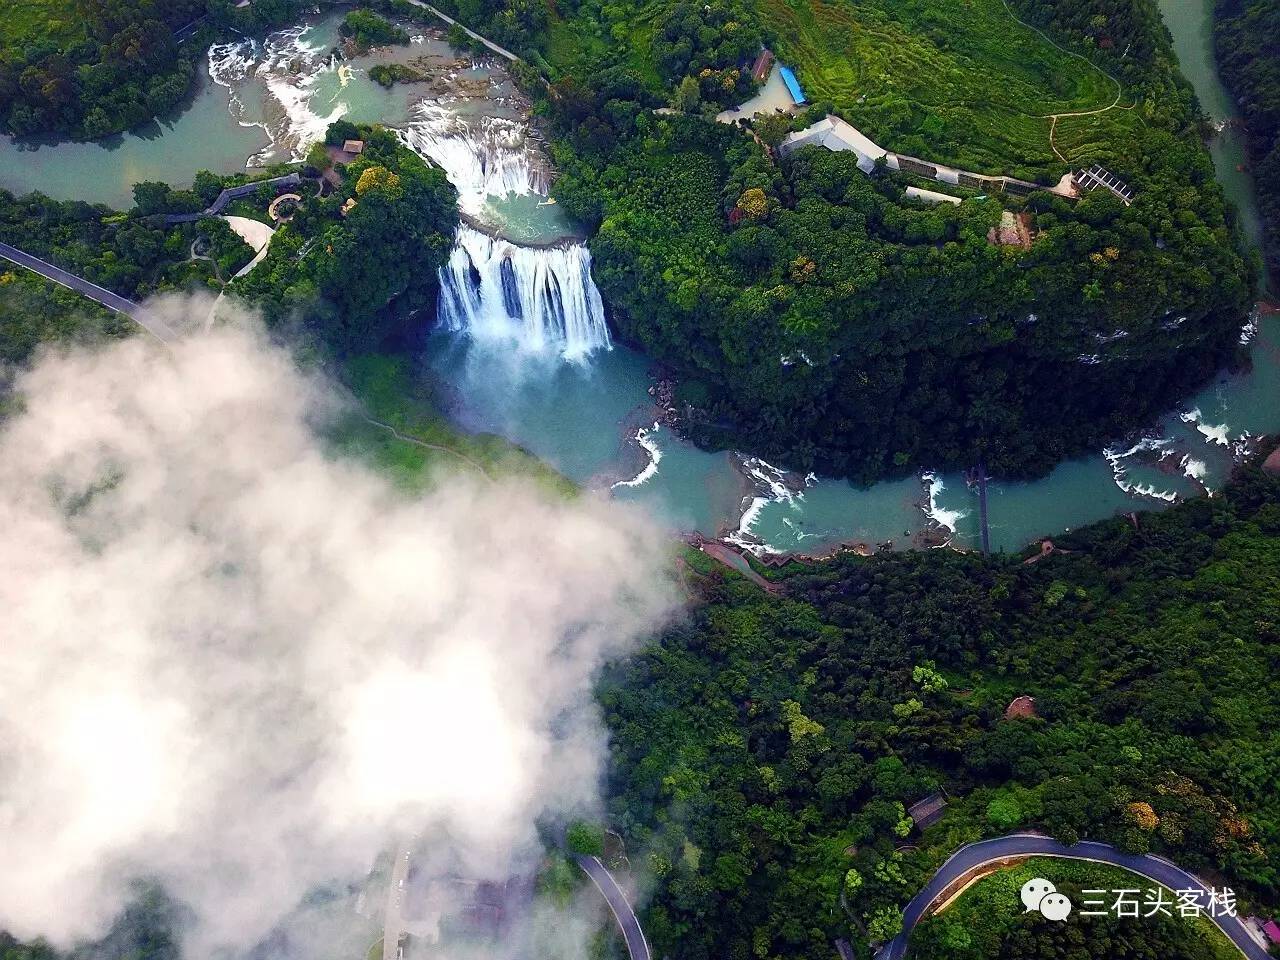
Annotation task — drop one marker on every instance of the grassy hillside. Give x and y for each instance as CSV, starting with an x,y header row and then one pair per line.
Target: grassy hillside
x,y
33,21
958,81
413,442
964,82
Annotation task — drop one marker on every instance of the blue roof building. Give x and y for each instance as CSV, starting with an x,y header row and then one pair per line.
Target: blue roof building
x,y
793,85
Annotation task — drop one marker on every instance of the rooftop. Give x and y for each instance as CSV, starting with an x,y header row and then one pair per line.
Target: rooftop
x,y
927,810
793,85
1023,706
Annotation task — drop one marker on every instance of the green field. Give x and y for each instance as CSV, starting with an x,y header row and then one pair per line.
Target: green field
x,y
581,44
956,81
24,21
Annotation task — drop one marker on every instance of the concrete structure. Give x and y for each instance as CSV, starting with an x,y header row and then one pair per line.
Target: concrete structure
x,y
930,196
273,211
1023,706
1097,176
234,193
772,97
256,234
793,85
760,69
836,134
500,51
632,934
1271,930
928,810
1272,463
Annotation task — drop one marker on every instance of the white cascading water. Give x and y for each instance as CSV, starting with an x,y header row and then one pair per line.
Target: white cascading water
x,y
482,156
544,299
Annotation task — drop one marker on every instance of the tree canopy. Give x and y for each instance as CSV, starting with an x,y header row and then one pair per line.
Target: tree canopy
x,y
765,751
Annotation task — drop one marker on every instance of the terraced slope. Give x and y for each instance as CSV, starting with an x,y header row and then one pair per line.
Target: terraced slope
x,y
958,81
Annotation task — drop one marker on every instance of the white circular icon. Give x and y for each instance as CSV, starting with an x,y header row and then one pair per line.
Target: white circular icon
x,y
1035,890
1055,906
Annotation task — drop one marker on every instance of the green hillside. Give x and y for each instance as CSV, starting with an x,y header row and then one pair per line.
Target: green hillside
x,y
957,81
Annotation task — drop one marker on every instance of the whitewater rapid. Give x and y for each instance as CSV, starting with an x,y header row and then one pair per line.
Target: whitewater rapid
x,y
288,63
483,156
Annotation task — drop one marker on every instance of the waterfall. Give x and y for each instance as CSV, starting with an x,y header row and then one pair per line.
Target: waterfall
x,y
543,299
482,156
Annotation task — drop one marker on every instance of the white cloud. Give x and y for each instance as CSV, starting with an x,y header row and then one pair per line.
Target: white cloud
x,y
236,663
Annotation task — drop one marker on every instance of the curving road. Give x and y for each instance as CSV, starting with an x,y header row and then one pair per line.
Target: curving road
x,y
976,855
144,318
637,946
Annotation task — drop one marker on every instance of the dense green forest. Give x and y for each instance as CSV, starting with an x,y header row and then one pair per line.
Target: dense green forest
x,y
366,29
345,277
34,311
146,930
129,253
92,67
351,266
815,314
1247,42
764,750
89,68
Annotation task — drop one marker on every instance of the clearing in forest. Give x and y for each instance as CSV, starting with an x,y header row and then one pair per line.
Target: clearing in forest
x,y
954,81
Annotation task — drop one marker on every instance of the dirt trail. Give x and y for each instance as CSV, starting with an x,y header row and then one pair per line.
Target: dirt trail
x,y
1053,117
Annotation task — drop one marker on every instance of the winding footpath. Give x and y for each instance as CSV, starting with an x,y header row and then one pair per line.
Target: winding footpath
x,y
637,946
141,316
1053,117
969,859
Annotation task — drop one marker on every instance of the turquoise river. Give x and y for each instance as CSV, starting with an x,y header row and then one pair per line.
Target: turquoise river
x,y
581,402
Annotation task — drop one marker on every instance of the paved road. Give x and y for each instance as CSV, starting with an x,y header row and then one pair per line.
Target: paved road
x,y
975,855
393,922
500,51
189,31
144,318
637,946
